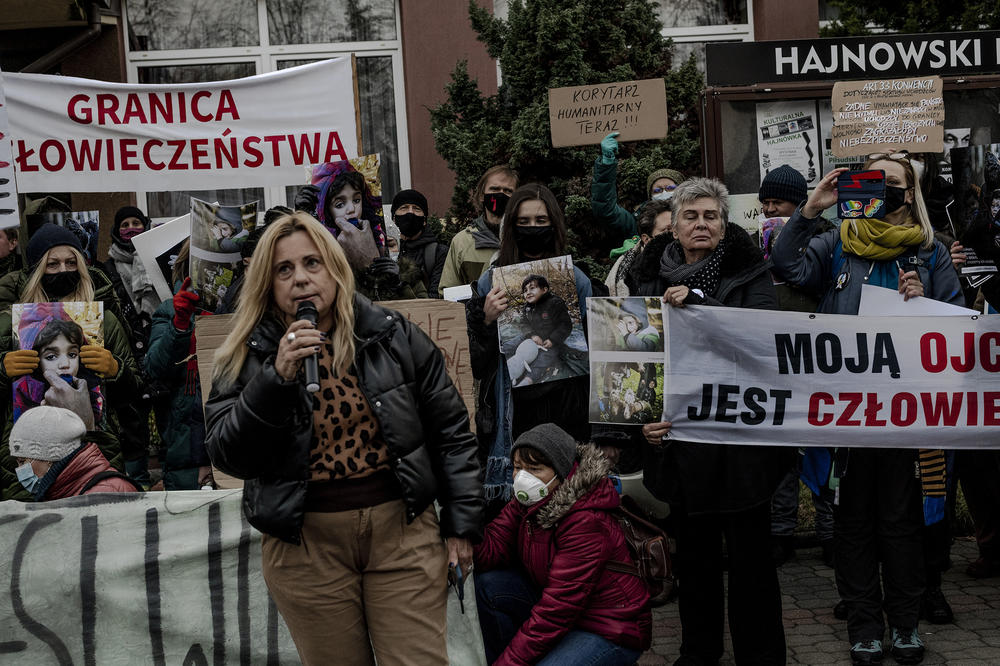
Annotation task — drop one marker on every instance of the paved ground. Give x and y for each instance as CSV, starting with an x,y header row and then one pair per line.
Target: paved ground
x,y
814,636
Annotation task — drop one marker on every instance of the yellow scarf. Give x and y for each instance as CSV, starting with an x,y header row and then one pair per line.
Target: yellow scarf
x,y
877,239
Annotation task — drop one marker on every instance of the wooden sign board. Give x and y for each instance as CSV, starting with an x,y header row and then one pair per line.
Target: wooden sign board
x,y
442,321
888,115
583,115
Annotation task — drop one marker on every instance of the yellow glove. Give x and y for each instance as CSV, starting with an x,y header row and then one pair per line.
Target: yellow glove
x,y
21,362
99,360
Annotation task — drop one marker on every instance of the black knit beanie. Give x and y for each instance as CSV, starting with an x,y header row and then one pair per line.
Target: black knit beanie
x,y
48,236
552,441
409,197
784,183
124,213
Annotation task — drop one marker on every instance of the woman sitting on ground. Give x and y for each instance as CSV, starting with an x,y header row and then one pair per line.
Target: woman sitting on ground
x,y
558,530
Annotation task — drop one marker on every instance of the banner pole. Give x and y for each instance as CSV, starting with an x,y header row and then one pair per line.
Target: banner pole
x,y
357,101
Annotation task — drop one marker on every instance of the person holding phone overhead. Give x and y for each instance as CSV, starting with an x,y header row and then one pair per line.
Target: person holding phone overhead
x,y
879,516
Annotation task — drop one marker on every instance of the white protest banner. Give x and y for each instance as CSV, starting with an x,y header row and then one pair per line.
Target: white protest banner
x,y
82,135
9,216
582,115
801,379
887,115
153,578
787,134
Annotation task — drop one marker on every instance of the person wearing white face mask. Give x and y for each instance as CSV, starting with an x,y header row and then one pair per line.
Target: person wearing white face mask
x,y
558,530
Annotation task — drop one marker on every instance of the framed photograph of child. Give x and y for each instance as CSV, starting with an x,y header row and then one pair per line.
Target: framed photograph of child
x,y
541,332
57,331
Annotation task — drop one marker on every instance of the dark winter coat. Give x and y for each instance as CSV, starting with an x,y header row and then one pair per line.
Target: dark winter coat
x,y
429,255
604,200
709,478
563,543
86,463
180,418
549,318
260,428
120,391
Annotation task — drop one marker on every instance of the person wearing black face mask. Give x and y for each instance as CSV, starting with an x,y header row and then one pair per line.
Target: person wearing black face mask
x,y
472,248
56,273
533,228
417,242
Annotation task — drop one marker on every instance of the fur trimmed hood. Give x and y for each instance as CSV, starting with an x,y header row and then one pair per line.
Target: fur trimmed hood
x,y
582,489
740,254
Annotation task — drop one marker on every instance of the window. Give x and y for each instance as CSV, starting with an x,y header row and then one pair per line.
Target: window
x,y
186,41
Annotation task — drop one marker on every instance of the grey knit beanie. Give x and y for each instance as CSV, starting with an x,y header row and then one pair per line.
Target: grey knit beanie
x,y
46,433
552,441
784,183
672,174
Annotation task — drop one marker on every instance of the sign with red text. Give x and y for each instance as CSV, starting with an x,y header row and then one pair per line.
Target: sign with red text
x,y
831,380
79,135
582,115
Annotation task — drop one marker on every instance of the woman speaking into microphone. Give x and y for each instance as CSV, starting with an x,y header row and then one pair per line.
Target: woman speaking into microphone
x,y
342,481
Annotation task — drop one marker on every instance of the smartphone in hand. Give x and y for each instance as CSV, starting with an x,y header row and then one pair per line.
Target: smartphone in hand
x,y
861,194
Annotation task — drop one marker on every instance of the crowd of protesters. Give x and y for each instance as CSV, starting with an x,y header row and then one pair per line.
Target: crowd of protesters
x,y
343,481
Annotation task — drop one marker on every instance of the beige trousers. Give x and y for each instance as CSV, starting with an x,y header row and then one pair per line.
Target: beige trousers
x,y
363,585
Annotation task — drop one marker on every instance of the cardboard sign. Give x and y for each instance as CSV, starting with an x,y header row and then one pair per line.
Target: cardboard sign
x,y
888,115
583,115
443,322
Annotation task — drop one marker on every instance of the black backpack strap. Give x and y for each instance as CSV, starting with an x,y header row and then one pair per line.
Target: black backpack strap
x,y
109,474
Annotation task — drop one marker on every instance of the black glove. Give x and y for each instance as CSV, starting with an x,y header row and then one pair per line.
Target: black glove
x,y
307,199
386,272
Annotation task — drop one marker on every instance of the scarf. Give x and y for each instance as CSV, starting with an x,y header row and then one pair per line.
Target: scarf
x,y
702,274
137,283
877,239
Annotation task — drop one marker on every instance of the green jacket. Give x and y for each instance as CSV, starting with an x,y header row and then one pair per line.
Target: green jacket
x,y
469,255
604,200
120,391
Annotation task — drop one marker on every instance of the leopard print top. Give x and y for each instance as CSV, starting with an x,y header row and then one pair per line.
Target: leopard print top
x,y
346,441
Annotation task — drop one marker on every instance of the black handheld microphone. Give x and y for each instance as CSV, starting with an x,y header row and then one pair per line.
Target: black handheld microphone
x,y
307,311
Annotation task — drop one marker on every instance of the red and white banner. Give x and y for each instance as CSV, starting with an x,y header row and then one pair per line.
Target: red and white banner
x,y
739,376
79,135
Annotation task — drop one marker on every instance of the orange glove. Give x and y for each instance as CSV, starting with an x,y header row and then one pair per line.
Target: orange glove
x,y
99,360
21,362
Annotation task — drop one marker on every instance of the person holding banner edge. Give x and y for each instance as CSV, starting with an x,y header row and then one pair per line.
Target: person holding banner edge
x,y
715,490
879,515
342,481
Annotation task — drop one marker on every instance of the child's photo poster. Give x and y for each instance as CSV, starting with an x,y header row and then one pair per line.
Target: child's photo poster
x,y
57,331
541,332
626,359
349,204
217,233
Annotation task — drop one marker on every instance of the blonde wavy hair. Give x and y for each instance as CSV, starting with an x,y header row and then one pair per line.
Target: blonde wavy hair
x,y
918,210
33,291
257,296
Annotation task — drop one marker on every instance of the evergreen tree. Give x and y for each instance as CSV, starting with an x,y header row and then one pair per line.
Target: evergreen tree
x,y
859,17
550,44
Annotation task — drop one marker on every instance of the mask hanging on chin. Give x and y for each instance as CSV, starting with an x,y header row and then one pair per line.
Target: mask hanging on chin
x,y
57,285
534,241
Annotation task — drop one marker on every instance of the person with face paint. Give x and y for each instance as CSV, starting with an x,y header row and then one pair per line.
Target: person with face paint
x,y
660,185
533,228
544,589
57,272
418,243
880,513
472,248
55,459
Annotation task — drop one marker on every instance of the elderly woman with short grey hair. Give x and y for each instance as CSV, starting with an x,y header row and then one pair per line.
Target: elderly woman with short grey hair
x,y
715,491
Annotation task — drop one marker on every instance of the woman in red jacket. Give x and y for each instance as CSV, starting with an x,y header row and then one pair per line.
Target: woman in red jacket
x,y
559,531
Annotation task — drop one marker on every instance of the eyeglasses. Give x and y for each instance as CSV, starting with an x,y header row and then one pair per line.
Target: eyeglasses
x,y
904,156
660,190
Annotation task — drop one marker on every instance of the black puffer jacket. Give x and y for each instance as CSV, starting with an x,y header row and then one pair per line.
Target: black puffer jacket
x,y
260,429
709,478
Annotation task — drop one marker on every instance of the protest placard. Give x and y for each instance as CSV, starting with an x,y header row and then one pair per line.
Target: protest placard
x,y
887,115
82,135
158,247
583,115
819,380
152,578
787,134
